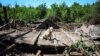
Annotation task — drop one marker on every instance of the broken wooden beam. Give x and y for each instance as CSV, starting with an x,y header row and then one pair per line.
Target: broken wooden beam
x,y
30,38
38,53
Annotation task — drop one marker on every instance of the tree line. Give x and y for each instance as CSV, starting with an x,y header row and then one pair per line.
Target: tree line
x,y
57,12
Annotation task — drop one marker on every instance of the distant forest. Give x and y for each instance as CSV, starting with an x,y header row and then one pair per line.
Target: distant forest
x,y
57,12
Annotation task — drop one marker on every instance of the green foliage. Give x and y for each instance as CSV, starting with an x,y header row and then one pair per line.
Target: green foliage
x,y
97,8
95,14
80,47
65,12
41,11
55,10
76,13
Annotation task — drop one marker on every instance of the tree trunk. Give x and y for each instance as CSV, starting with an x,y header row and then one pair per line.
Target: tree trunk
x,y
1,22
5,15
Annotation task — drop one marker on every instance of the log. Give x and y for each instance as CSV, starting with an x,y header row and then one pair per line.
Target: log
x,y
5,14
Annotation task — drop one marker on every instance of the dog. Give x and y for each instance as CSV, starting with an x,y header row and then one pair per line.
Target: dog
x,y
47,34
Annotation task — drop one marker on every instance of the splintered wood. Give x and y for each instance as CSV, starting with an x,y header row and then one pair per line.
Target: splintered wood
x,y
38,53
57,39
26,37
75,38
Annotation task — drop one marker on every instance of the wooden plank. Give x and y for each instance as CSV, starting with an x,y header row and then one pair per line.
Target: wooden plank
x,y
58,39
73,37
29,38
43,41
75,54
36,38
62,38
54,42
38,53
53,55
76,38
